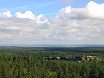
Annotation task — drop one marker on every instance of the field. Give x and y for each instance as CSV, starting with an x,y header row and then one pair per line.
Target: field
x,y
51,62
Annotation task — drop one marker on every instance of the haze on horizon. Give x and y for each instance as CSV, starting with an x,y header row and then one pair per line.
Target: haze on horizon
x,y
51,22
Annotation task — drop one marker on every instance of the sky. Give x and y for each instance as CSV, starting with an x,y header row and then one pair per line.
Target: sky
x,y
51,22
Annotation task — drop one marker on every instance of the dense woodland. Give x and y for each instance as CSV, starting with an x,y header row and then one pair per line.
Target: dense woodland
x,y
19,62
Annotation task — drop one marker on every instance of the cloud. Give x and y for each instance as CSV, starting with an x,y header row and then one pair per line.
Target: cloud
x,y
21,31
66,10
30,15
41,19
95,10
6,14
27,14
69,26
92,10
77,25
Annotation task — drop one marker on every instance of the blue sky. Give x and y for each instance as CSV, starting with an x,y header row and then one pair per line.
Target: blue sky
x,y
37,6
56,22
46,7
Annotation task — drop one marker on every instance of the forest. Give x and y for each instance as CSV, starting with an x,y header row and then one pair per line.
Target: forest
x,y
51,62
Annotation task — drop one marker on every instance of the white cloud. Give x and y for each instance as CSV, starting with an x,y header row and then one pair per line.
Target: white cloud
x,y
6,14
41,19
95,10
70,26
92,10
29,15
26,14
76,25
66,10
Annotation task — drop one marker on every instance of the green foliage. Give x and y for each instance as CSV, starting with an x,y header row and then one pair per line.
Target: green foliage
x,y
31,63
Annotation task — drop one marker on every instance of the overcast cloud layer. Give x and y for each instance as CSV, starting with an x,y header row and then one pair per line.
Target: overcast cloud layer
x,y
70,26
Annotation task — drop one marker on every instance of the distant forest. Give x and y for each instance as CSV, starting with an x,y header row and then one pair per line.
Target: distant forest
x,y
51,62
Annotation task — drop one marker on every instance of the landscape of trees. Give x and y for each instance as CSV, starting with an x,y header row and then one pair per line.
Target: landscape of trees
x,y
32,63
